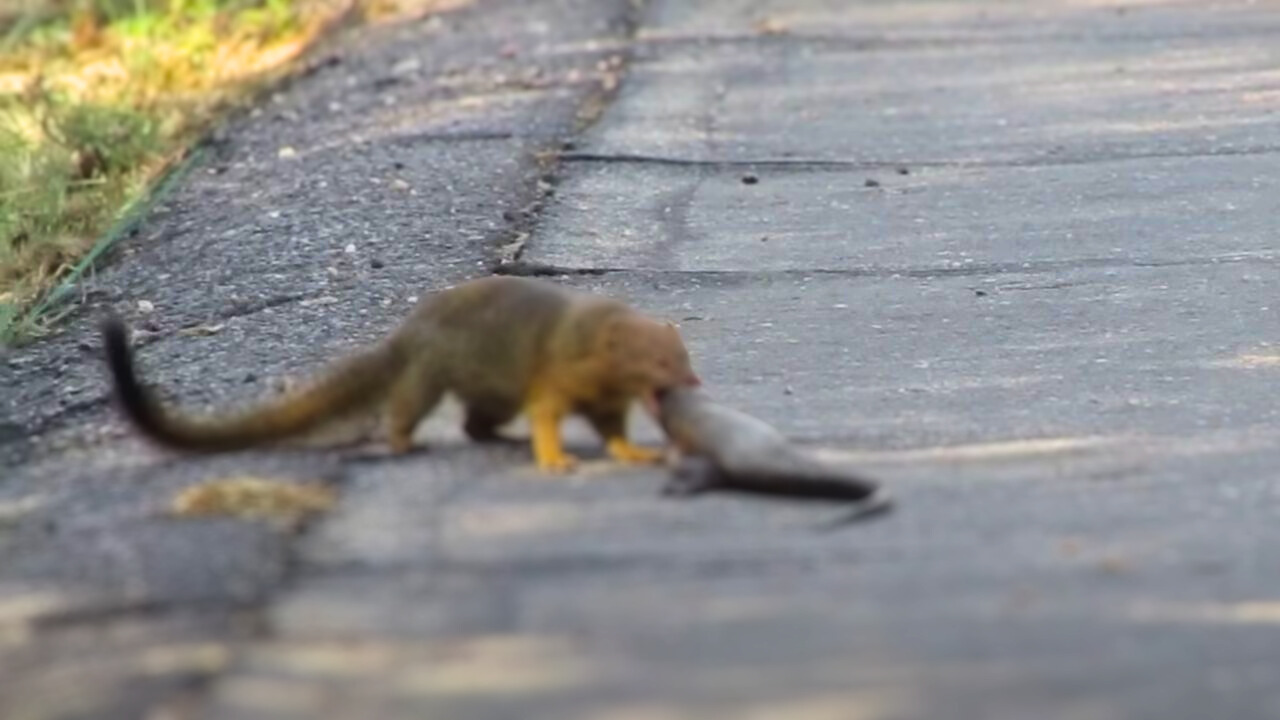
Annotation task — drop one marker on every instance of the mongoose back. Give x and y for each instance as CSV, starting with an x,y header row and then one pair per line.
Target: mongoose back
x,y
501,345
720,448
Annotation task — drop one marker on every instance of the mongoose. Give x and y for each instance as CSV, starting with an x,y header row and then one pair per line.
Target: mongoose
x,y
501,345
719,448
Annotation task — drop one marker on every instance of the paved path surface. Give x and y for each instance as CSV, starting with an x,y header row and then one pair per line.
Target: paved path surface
x,y
1014,259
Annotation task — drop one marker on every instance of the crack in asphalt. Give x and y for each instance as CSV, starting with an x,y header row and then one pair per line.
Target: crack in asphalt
x,y
798,163
889,272
886,43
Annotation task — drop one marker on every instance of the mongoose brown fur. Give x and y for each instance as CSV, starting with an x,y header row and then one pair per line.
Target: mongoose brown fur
x,y
501,345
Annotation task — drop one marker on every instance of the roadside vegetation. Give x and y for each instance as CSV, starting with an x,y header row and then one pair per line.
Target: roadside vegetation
x,y
100,101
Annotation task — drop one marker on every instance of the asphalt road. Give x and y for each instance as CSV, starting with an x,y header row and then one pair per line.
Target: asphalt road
x,y
1013,259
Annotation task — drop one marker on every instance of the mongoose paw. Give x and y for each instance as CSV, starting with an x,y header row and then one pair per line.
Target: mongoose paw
x,y
559,463
625,452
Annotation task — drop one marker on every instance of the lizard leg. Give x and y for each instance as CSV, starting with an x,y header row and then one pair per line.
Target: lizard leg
x,y
690,476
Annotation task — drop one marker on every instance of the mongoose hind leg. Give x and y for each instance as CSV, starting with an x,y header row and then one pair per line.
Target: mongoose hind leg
x,y
415,394
483,421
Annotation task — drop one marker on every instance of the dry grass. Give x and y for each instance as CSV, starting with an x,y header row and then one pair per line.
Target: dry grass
x,y
255,498
98,100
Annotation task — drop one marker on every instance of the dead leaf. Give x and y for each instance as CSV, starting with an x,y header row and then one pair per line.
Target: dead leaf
x,y
770,26
252,497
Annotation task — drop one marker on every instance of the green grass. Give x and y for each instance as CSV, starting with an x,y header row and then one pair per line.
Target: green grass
x,y
59,192
99,101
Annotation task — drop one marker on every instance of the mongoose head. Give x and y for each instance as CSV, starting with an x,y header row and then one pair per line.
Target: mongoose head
x,y
651,356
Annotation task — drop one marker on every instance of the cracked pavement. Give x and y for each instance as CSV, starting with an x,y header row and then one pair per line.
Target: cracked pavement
x,y
1015,260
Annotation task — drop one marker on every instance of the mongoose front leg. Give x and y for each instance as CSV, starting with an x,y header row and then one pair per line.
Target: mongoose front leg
x,y
545,415
611,424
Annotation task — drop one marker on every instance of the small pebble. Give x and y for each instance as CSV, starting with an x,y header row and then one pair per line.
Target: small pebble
x,y
871,183
750,179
